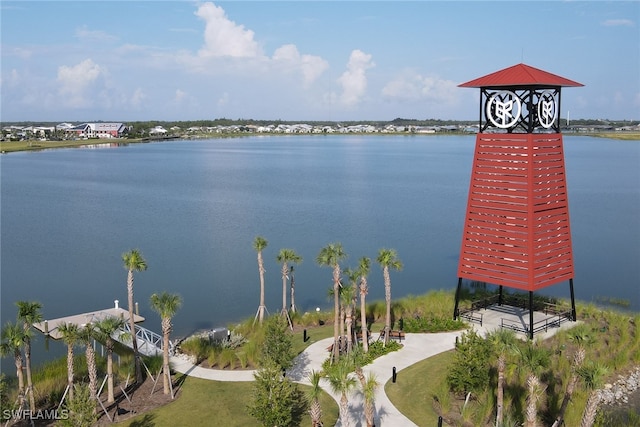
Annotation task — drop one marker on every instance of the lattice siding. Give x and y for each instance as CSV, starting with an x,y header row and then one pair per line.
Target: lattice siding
x,y
516,231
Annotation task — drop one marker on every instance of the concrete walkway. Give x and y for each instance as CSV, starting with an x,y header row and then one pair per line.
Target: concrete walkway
x,y
416,347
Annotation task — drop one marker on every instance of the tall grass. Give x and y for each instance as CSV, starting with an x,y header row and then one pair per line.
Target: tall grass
x,y
614,343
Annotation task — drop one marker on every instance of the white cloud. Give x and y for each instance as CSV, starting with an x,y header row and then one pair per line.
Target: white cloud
x,y
412,86
137,98
224,37
354,80
180,95
84,33
223,100
310,66
618,23
75,82
12,80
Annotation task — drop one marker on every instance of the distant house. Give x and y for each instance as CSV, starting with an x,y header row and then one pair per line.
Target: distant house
x,y
158,130
98,130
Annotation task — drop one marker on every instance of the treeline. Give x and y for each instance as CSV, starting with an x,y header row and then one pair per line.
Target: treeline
x,y
398,121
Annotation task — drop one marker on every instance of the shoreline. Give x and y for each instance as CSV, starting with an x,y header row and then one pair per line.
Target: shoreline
x,y
38,145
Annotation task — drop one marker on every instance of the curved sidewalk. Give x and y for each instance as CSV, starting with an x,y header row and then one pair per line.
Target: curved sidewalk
x,y
416,348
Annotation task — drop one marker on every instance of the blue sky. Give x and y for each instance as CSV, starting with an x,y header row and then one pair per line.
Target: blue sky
x,y
306,60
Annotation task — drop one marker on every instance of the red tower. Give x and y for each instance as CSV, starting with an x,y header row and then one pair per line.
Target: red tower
x,y
516,230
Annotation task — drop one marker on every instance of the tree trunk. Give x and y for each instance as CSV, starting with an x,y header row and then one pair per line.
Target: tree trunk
x,y
344,411
589,415
342,323
293,294
262,271
336,308
27,360
285,270
93,374
18,361
363,316
70,370
387,298
349,323
110,396
500,397
315,411
166,369
132,326
533,383
578,358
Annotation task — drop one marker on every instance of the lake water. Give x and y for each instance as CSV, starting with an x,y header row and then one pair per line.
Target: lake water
x,y
194,207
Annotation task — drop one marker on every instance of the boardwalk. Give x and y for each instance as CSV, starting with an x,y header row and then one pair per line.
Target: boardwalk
x,y
50,327
149,342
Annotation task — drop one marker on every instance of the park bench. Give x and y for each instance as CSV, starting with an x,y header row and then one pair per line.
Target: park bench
x,y
394,335
359,336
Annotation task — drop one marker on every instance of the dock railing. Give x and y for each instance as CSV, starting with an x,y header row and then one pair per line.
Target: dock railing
x,y
149,342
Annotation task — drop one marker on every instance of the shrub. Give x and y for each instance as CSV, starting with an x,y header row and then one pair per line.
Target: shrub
x,y
81,408
277,345
432,324
235,340
197,347
470,369
227,358
358,358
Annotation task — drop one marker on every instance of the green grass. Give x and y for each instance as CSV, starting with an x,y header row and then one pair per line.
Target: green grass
x,y
13,146
625,136
206,403
415,388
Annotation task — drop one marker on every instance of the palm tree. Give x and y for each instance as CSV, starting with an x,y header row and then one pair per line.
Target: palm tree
x,y
70,335
166,305
105,329
29,313
592,375
534,359
259,243
363,269
87,333
504,340
331,256
341,382
285,256
348,297
388,258
133,261
369,386
12,338
315,410
579,335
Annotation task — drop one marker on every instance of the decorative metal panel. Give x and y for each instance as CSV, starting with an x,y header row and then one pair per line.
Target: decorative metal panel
x,y
516,230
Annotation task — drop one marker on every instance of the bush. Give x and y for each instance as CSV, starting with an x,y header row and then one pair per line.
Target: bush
x,y
235,340
198,347
277,346
81,408
432,324
358,358
470,369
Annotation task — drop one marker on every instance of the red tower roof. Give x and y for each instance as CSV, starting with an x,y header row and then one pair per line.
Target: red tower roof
x,y
520,75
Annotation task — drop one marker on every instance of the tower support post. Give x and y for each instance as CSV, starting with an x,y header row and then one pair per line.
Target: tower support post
x,y
458,289
574,317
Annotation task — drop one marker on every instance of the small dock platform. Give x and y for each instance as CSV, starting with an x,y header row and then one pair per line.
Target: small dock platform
x,y
50,327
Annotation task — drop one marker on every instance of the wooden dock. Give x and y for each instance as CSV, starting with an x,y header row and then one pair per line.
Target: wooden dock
x,y
50,327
